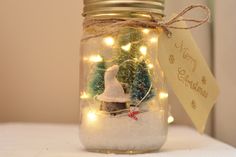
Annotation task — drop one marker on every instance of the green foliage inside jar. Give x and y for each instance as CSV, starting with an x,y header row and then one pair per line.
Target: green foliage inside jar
x,y
133,74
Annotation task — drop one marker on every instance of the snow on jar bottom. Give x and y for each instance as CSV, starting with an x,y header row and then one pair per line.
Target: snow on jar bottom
x,y
121,133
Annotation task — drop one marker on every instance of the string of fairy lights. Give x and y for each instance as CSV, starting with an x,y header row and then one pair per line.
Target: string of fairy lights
x,y
143,49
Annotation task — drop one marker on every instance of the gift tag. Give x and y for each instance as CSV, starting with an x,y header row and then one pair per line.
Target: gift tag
x,y
188,74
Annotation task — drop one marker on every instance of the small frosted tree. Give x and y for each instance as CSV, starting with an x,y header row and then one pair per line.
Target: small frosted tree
x,y
96,83
125,58
142,84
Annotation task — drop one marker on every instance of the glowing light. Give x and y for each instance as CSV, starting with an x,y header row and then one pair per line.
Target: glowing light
x,y
171,119
136,59
84,95
95,58
109,41
126,47
150,66
163,95
92,116
153,40
145,31
143,50
85,58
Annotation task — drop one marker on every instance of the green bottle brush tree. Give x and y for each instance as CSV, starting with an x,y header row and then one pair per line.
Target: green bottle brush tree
x,y
96,83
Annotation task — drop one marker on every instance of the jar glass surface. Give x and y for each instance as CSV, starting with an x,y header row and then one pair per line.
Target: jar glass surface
x,y
123,95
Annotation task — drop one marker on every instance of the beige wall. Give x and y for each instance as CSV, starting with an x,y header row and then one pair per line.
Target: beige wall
x,y
225,46
39,53
39,50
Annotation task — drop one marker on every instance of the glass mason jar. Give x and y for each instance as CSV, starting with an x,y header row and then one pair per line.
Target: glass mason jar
x,y
123,101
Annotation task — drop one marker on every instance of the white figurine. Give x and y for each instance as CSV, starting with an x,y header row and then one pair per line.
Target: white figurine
x,y
113,98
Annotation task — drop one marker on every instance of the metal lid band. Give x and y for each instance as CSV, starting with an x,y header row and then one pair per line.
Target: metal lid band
x,y
122,7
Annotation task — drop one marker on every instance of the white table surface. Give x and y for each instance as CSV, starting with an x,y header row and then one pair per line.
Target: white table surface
x,y
51,140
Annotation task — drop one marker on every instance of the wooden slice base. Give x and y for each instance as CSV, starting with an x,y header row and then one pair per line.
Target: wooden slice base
x,y
112,106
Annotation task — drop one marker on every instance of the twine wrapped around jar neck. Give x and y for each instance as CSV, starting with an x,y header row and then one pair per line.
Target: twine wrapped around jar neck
x,y
115,23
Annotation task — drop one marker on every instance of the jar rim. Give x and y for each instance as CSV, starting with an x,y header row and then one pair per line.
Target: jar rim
x,y
123,7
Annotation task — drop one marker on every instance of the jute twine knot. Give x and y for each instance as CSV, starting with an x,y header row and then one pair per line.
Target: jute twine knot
x,y
115,23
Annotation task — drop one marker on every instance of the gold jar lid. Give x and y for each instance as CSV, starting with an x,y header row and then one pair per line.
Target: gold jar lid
x,y
122,7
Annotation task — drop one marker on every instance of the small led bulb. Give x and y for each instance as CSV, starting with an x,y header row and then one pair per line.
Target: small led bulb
x,y
95,58
145,31
150,66
153,40
170,119
126,47
143,50
92,116
109,41
84,95
163,95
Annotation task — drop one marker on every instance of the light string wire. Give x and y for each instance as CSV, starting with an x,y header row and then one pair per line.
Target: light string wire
x,y
123,110
153,23
121,64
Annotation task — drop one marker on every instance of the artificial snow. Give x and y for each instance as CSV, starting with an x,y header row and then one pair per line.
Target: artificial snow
x,y
124,133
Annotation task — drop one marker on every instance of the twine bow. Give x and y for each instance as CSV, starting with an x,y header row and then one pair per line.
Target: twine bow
x,y
115,23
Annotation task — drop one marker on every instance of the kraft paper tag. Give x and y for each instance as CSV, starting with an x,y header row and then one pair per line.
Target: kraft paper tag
x,y
188,74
